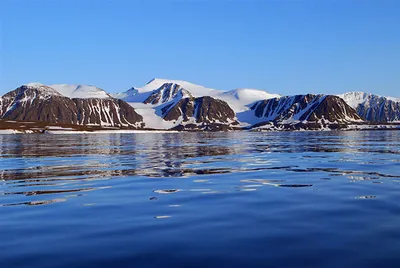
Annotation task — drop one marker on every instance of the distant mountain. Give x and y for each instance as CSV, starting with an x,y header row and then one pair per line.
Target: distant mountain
x,y
181,105
40,103
305,111
372,107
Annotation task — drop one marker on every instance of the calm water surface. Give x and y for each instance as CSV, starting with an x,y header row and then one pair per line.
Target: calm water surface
x,y
304,199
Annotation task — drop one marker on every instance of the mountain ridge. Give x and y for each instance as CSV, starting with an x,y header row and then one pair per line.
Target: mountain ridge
x,y
181,105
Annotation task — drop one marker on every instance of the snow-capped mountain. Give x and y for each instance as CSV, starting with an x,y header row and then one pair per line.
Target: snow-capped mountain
x,y
180,105
372,107
36,102
80,91
305,110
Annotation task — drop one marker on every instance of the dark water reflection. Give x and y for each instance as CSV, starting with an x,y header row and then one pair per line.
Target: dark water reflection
x,y
295,199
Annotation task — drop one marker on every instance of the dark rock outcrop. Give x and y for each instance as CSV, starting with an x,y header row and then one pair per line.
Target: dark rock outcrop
x,y
44,104
202,112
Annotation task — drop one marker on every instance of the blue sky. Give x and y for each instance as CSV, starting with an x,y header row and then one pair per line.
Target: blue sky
x,y
287,47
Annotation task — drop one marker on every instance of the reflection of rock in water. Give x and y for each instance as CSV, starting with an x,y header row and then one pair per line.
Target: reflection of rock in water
x,y
166,191
365,197
36,203
168,154
294,185
31,145
288,185
40,192
362,178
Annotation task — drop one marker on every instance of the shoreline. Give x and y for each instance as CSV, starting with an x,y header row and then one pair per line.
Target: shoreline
x,y
19,127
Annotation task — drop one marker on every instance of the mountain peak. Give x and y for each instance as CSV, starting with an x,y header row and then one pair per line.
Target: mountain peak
x,y
195,90
43,89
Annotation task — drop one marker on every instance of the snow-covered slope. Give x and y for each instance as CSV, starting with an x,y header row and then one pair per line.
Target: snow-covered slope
x,y
372,107
81,91
355,98
249,95
240,99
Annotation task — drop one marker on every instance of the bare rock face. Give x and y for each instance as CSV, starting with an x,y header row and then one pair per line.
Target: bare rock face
x,y
204,112
111,112
167,92
210,109
306,109
39,103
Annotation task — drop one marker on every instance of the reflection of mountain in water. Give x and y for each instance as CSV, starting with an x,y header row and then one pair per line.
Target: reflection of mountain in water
x,y
56,166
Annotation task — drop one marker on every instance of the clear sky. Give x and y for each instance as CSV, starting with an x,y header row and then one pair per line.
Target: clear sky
x,y
282,46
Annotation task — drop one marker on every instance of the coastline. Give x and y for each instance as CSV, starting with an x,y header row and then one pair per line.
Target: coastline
x,y
20,127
